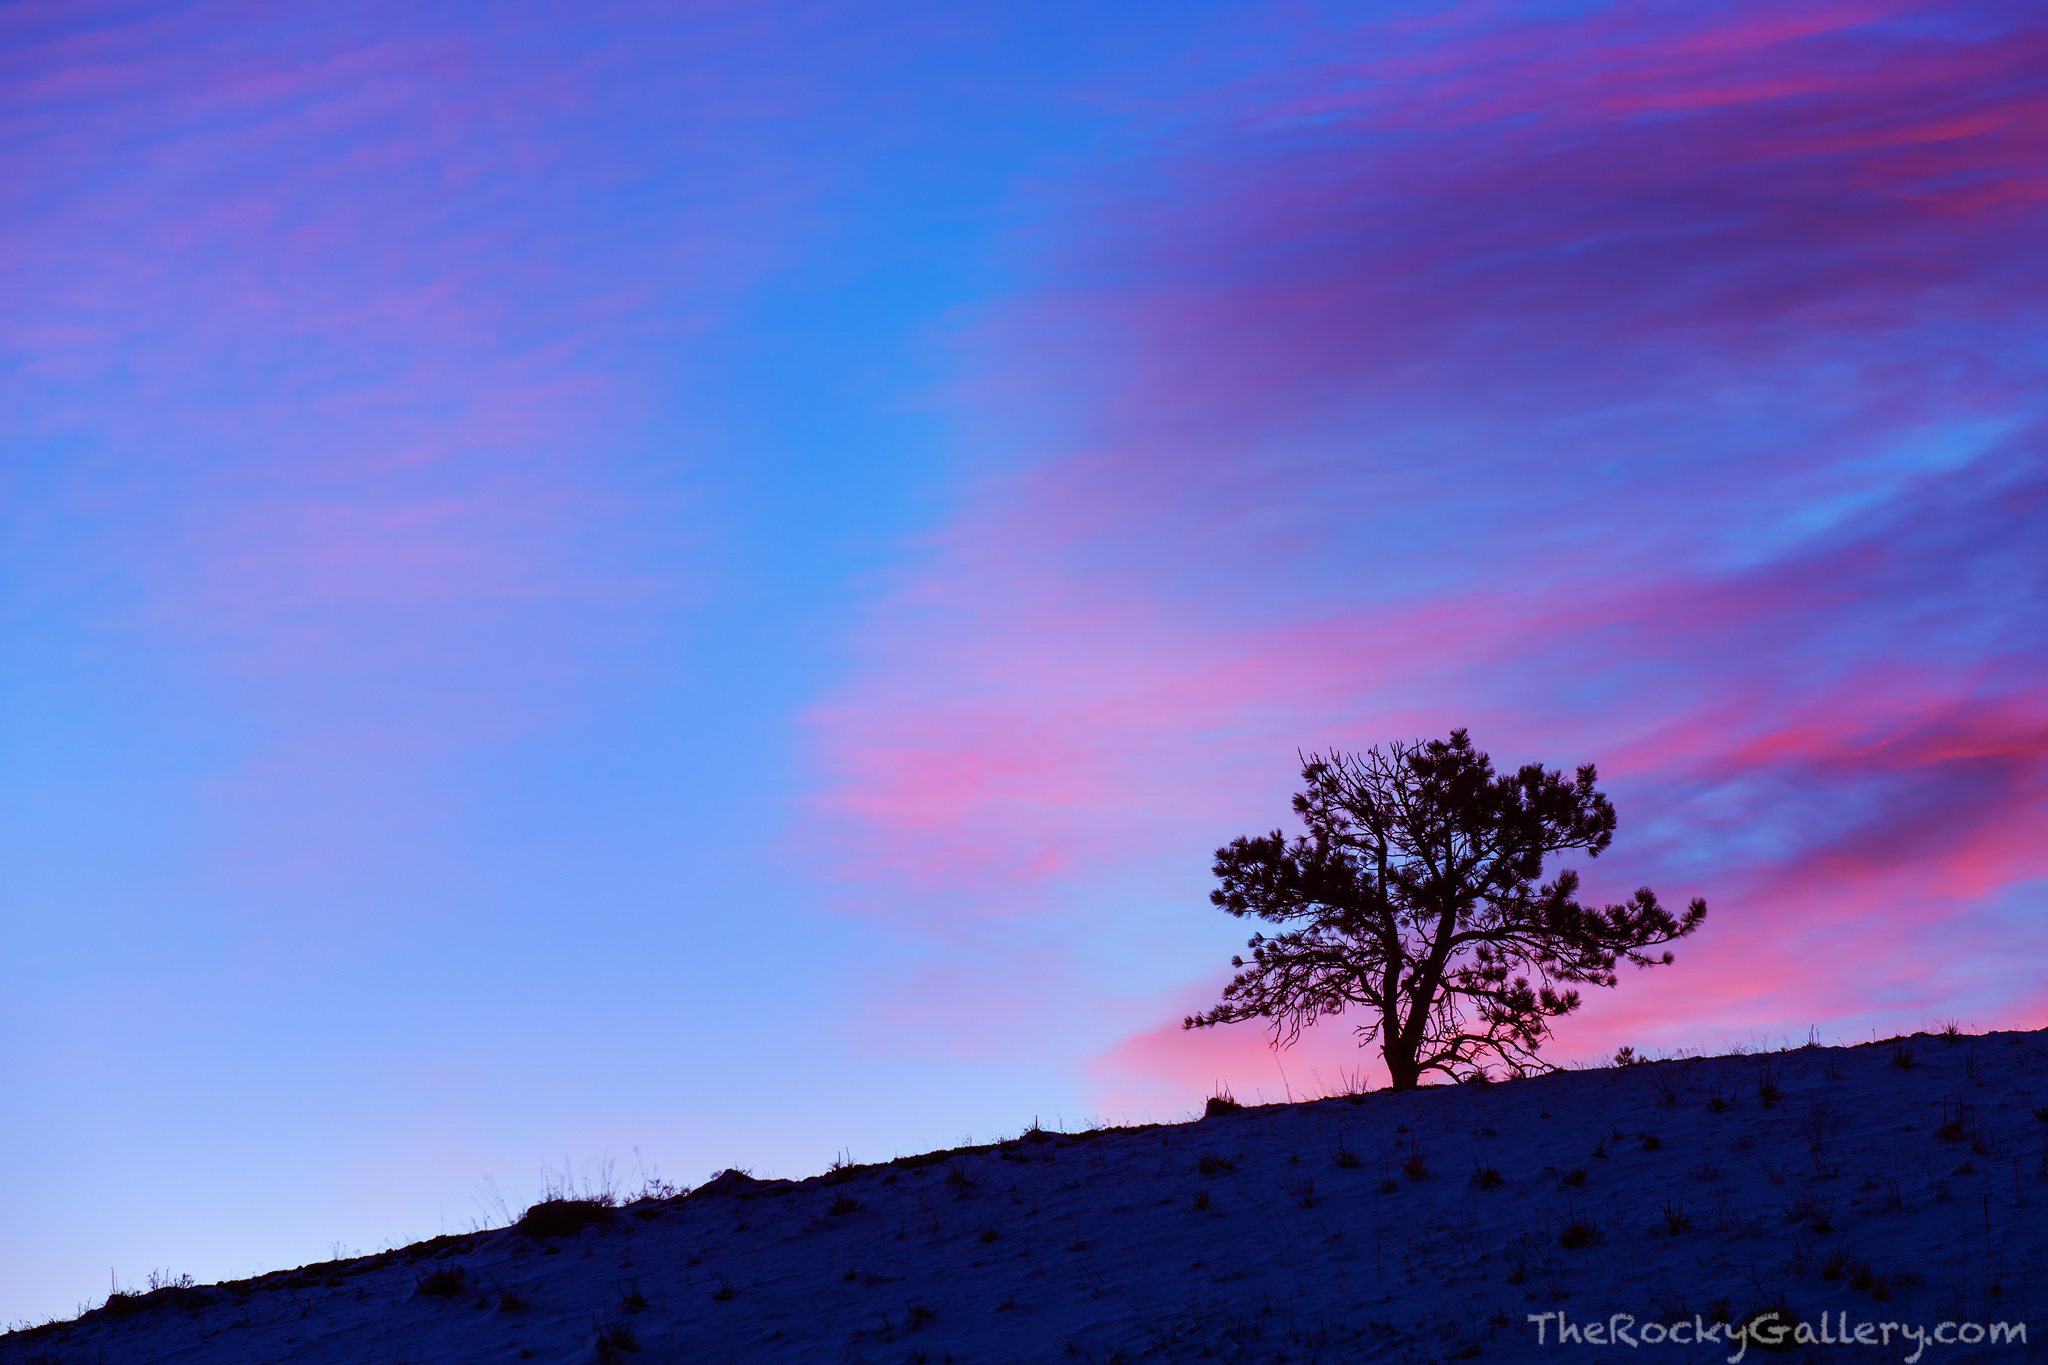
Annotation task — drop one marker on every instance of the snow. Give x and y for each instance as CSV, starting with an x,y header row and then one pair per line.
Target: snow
x,y
1091,1247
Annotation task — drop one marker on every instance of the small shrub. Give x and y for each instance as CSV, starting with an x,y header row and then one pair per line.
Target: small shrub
x,y
1485,1177
1519,1273
632,1300
1221,1104
1951,1032
563,1217
1201,1200
1902,1056
1303,1191
2041,1112
1344,1156
724,1291
656,1190
1716,1101
1676,1219
958,1180
1667,1086
1767,1088
1600,1149
1951,1129
1208,1163
1575,1177
1814,1210
615,1338
1626,1056
1415,1168
1579,1232
442,1282
843,1205
988,1235
1652,1143
920,1314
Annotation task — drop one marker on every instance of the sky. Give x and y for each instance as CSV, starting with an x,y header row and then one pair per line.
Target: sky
x,y
643,588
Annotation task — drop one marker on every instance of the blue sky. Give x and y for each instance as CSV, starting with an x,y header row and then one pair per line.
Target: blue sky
x,y
695,588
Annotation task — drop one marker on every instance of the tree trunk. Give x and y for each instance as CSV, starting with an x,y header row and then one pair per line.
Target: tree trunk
x,y
1401,1068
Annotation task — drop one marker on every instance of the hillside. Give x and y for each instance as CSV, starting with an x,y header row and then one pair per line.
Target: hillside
x,y
1897,1182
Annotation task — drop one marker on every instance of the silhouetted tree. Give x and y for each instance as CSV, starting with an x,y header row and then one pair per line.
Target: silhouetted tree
x,y
1416,892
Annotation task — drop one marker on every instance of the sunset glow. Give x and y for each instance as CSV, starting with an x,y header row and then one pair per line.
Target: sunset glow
x,y
704,581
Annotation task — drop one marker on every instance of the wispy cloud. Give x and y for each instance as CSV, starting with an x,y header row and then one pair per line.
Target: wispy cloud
x,y
1655,389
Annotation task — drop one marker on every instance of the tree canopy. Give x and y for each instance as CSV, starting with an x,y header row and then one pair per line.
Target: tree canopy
x,y
1417,897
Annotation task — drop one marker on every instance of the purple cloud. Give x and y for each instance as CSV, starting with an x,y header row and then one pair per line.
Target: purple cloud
x,y
1655,389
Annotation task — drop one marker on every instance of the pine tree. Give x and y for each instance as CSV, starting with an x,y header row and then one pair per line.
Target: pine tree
x,y
1417,897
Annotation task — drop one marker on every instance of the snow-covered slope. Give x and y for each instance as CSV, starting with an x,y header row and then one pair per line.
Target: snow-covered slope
x,y
1422,1226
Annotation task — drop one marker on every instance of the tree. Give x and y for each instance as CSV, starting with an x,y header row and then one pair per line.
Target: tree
x,y
1416,892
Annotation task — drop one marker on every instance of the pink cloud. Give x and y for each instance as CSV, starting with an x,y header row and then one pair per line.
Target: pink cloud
x,y
1662,393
